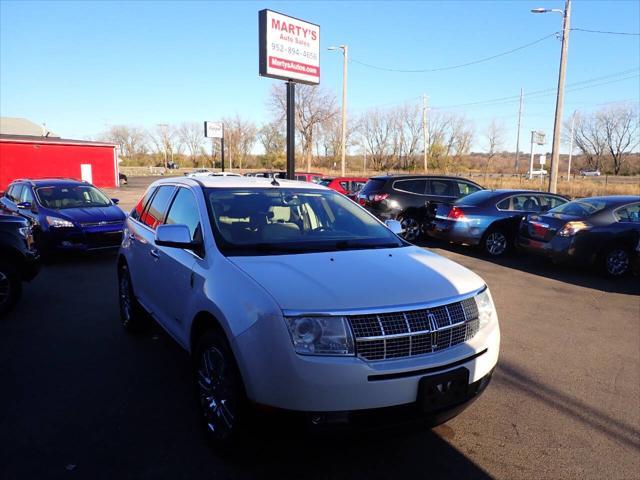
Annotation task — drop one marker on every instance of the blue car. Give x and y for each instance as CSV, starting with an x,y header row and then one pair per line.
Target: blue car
x,y
489,218
70,215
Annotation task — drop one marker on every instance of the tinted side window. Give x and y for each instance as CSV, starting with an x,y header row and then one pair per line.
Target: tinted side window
x,y
465,189
520,203
441,188
26,195
16,191
154,214
136,213
628,213
411,186
184,211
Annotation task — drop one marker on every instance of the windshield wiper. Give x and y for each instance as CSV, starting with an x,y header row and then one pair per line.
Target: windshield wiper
x,y
347,244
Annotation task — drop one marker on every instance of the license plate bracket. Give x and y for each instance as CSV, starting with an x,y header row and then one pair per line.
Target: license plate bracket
x,y
436,392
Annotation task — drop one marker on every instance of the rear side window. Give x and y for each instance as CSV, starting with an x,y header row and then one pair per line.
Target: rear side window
x,y
184,211
373,185
26,195
520,203
412,186
14,193
548,202
441,188
154,214
136,213
628,213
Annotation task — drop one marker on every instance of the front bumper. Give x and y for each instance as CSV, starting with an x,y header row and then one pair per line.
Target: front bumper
x,y
85,239
278,377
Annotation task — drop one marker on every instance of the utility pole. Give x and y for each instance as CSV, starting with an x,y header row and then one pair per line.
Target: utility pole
x,y
557,126
573,122
518,138
425,133
345,51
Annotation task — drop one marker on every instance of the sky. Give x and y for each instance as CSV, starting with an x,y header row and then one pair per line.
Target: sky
x,y
84,66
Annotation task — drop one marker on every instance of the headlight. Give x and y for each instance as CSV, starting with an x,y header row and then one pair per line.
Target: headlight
x,y
571,228
486,310
320,335
59,222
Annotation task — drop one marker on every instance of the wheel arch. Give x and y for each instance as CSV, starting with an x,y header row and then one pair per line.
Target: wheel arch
x,y
202,322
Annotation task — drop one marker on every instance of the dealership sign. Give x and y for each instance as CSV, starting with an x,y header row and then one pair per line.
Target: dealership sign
x,y
213,130
289,48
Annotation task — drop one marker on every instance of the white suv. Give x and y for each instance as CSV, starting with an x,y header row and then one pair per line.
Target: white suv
x,y
289,295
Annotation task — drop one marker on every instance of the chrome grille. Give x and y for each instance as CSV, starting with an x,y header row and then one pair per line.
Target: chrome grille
x,y
102,224
417,332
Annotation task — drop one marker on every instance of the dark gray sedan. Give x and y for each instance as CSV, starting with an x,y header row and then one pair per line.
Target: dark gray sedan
x,y
489,218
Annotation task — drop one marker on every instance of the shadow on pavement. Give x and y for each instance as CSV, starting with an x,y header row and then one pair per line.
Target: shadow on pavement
x,y
582,276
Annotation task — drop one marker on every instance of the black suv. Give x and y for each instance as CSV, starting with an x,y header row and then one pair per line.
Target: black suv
x,y
411,198
18,259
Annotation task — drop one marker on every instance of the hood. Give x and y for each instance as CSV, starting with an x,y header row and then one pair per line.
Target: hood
x,y
111,213
358,279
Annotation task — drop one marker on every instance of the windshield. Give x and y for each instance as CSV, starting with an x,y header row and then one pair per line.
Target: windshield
x,y
59,197
580,208
476,198
291,220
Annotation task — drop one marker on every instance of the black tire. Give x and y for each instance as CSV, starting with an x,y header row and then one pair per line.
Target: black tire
x,y
412,229
132,315
616,261
10,286
220,391
495,243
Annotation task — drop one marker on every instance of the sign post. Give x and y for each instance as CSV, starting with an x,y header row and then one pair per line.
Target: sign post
x,y
289,50
215,130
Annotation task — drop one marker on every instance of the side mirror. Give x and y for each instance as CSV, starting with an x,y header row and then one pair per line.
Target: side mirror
x,y
115,201
176,236
394,225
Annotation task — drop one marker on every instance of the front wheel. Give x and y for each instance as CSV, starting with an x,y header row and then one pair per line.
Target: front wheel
x,y
219,388
411,229
616,262
495,243
131,313
10,286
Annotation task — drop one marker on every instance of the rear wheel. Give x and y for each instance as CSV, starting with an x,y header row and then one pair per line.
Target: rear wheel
x,y
220,389
495,243
10,286
411,228
131,313
616,261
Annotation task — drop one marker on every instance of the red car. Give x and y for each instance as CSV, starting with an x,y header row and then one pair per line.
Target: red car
x,y
348,186
308,177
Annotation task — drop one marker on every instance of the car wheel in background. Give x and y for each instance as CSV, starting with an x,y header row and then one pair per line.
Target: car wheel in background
x,y
411,228
10,286
616,261
219,388
131,313
495,243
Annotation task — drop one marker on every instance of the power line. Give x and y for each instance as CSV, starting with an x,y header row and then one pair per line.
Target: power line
x,y
452,67
604,32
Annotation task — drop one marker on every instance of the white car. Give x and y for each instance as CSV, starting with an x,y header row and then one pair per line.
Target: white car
x,y
537,173
291,296
199,172
590,173
224,174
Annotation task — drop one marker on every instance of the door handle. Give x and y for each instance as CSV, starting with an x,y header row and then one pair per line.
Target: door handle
x,y
154,253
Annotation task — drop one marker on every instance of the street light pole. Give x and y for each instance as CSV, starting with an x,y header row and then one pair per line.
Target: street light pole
x,y
343,143
557,126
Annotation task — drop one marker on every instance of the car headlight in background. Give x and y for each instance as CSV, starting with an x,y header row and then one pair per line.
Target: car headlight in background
x,y
571,228
486,309
321,335
57,222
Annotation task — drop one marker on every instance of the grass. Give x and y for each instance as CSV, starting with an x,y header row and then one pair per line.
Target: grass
x,y
578,187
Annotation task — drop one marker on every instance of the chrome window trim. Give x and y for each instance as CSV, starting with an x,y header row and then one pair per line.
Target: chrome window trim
x,y
391,309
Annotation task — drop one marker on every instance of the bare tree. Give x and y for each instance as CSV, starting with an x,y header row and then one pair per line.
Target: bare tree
x,y
166,141
590,139
239,138
620,125
130,140
313,107
377,127
192,136
495,138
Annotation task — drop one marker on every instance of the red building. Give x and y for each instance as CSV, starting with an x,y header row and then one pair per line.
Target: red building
x,y
31,156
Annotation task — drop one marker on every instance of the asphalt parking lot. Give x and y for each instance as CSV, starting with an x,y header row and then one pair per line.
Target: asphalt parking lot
x,y
83,399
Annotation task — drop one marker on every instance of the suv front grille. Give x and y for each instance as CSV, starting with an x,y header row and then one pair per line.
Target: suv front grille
x,y
417,332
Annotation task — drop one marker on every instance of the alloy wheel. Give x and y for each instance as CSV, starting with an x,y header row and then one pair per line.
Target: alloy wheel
x,y
496,243
216,393
5,288
411,229
617,262
125,296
